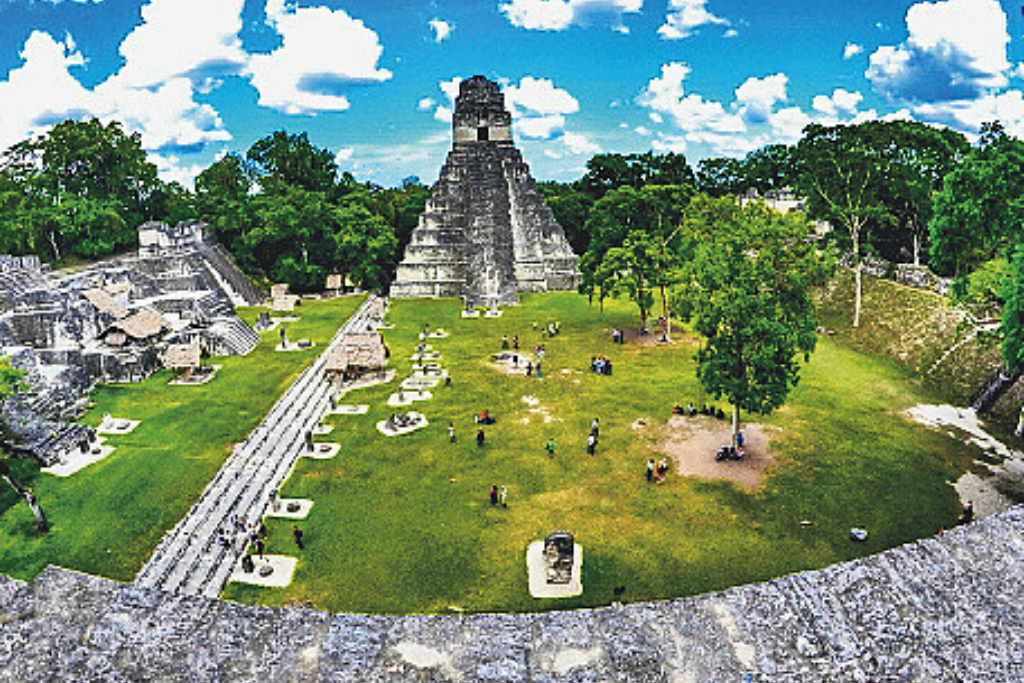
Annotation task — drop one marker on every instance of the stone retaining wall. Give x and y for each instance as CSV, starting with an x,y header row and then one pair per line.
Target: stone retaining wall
x,y
938,610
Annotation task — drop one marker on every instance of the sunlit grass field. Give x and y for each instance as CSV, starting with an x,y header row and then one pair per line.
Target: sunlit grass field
x,y
404,525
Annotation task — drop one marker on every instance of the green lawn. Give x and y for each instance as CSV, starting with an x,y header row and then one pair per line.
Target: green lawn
x,y
108,518
404,525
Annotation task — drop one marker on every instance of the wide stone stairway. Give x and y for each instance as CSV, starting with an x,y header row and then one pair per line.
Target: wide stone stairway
x,y
189,560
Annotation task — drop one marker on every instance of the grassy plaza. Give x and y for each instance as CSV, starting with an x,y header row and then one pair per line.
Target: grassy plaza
x,y
404,524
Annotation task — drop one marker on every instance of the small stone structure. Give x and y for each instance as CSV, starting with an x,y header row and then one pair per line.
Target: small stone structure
x,y
110,322
558,556
486,234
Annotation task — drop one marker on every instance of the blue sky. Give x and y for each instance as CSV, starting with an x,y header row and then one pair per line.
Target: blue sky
x,y
371,80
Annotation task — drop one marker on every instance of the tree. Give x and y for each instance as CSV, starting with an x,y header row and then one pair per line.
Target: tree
x,y
721,176
292,160
979,211
747,288
79,190
1013,316
841,171
768,169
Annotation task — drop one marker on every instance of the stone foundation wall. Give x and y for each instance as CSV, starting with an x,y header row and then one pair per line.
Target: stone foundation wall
x,y
941,610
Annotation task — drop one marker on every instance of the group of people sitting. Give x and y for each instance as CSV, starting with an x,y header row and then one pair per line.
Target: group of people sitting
x,y
691,411
734,450
601,365
484,418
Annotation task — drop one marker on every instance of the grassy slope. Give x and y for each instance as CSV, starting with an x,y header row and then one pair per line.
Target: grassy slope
x,y
390,532
914,328
108,518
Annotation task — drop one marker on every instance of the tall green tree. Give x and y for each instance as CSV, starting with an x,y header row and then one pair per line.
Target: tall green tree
x,y
841,171
79,190
292,160
747,288
979,212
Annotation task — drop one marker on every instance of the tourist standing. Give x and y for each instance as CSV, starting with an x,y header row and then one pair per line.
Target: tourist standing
x,y
591,444
493,493
650,471
297,533
451,432
480,437
503,495
595,427
550,447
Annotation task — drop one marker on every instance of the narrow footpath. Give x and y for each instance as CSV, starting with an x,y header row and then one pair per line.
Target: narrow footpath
x,y
189,559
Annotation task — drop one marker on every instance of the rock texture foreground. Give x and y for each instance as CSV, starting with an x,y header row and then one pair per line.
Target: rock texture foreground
x,y
944,609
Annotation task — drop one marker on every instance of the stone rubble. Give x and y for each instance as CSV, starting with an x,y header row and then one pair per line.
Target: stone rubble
x,y
942,610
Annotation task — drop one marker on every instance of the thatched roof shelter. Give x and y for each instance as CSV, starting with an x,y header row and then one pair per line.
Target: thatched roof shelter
x,y
357,353
182,356
105,303
140,325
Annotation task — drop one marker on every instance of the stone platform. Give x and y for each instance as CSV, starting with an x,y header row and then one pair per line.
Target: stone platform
x,y
942,610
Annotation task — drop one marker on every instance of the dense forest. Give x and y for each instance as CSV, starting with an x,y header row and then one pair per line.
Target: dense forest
x,y
900,190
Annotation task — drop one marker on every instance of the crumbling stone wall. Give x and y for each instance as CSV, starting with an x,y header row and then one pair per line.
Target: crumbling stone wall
x,y
942,610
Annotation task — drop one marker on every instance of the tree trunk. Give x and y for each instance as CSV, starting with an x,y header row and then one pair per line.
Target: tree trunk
x,y
53,243
30,499
664,312
856,278
735,422
917,248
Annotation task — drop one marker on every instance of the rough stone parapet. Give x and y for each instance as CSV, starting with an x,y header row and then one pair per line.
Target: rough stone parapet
x,y
946,609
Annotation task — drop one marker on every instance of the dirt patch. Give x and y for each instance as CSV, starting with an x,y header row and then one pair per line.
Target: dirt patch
x,y
691,442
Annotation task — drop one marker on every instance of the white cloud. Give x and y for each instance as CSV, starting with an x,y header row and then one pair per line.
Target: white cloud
x,y
171,169
969,115
171,42
839,102
168,117
787,124
666,96
539,127
441,28
730,33
558,15
322,52
538,108
852,50
42,91
426,104
539,96
955,50
642,130
757,97
685,16
579,144
343,155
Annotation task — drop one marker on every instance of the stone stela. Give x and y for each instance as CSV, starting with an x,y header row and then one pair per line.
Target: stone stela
x,y
486,234
558,557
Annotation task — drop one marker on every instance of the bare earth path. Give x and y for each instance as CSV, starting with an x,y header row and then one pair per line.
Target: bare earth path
x,y
189,560
691,443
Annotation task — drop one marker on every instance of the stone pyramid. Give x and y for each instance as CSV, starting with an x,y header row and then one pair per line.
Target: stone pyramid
x,y
486,234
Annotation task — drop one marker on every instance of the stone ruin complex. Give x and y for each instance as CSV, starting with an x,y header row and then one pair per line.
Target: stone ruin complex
x,y
109,322
486,234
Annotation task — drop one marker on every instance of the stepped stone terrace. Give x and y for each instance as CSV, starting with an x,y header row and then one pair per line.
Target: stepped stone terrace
x,y
109,323
486,233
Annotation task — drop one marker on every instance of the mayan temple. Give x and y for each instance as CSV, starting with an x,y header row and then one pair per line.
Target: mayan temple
x,y
486,234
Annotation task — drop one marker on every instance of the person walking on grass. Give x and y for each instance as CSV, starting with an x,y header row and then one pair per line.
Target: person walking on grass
x,y
502,496
451,432
480,437
493,494
550,447
591,444
297,533
650,471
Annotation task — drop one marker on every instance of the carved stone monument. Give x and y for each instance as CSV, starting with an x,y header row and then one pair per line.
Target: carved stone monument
x,y
486,234
555,566
558,557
